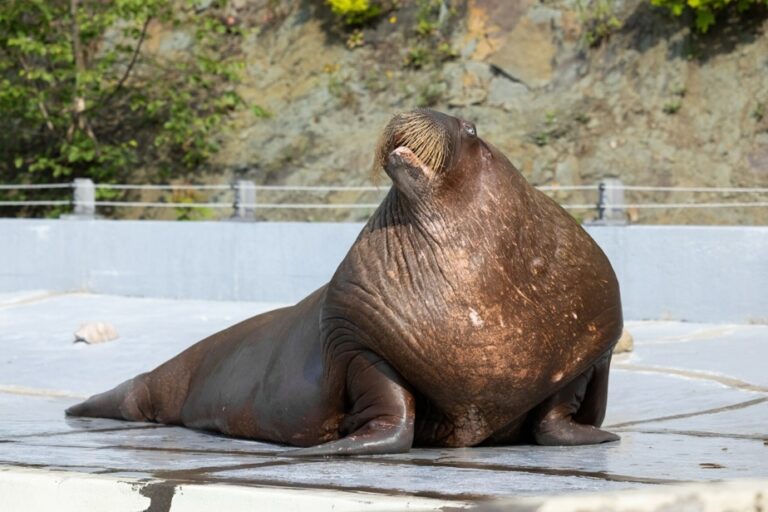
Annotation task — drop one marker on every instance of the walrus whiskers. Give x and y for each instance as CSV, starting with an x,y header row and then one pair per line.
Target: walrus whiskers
x,y
419,133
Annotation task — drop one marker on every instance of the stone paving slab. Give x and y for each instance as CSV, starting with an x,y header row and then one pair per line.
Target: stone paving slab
x,y
720,350
746,495
28,490
749,422
37,335
691,405
637,396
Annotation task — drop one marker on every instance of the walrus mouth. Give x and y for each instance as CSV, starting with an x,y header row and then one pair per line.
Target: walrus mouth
x,y
414,140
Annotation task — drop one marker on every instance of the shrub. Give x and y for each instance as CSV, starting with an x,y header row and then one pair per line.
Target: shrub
x,y
705,10
355,12
598,19
79,97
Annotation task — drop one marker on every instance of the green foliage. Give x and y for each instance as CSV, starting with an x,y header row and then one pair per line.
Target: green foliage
x,y
598,19
417,57
552,127
428,21
192,212
427,18
582,118
431,46
79,97
672,107
339,88
429,94
355,39
540,138
260,112
355,12
705,10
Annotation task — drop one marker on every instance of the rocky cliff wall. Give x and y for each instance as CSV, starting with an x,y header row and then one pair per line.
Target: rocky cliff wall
x,y
651,104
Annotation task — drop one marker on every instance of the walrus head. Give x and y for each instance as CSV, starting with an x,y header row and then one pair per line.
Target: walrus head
x,y
417,147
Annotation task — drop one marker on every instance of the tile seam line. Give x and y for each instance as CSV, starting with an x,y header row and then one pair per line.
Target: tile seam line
x,y
35,299
87,431
700,433
695,375
714,410
612,477
703,334
10,389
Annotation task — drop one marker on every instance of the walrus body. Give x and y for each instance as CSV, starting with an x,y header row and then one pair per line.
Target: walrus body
x,y
471,309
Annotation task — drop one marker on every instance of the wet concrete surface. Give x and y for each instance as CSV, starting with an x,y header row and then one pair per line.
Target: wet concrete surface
x,y
691,404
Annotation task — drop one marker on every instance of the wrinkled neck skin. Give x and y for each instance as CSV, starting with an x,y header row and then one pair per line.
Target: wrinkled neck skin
x,y
459,228
417,264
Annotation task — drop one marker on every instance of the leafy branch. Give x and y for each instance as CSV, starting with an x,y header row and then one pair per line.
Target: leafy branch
x,y
80,94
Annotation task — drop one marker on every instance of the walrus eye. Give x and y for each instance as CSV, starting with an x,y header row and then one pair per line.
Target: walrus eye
x,y
470,129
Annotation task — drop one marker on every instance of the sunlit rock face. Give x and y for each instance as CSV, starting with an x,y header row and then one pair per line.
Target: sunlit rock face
x,y
645,103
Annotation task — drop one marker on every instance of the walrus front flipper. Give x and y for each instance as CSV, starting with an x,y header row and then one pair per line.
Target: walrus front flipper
x,y
381,419
128,401
572,415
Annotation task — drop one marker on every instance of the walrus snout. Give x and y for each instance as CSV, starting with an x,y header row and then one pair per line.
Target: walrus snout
x,y
420,132
407,171
403,158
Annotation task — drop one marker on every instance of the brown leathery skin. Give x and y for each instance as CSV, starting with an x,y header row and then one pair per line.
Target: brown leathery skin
x,y
501,296
471,309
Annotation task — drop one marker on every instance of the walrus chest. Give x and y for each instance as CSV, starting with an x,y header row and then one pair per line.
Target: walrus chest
x,y
483,329
485,364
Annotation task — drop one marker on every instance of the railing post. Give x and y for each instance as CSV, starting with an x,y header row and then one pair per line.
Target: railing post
x,y
601,201
84,198
245,200
610,202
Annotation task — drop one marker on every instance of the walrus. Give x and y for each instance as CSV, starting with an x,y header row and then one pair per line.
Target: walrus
x,y
471,309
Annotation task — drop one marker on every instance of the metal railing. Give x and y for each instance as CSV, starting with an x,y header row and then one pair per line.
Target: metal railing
x,y
610,204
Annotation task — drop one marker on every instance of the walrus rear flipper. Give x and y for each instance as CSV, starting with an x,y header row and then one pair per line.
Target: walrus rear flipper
x,y
572,415
382,416
128,401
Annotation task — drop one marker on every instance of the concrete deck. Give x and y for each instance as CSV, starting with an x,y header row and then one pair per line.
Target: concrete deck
x,y
691,405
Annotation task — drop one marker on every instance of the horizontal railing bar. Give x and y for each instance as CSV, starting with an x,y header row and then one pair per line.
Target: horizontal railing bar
x,y
162,187
321,188
555,188
690,205
140,204
35,203
309,205
367,188
729,190
225,205
31,186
